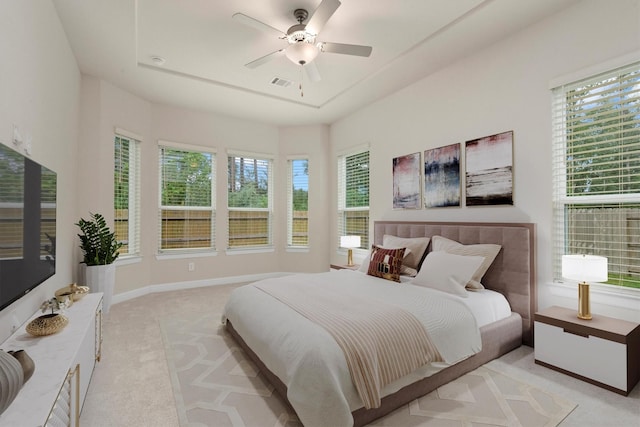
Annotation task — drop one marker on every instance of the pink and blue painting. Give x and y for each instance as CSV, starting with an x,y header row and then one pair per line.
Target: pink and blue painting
x,y
406,182
489,170
442,176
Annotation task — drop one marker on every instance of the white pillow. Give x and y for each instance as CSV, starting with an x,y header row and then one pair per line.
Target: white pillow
x,y
488,251
447,272
404,270
417,245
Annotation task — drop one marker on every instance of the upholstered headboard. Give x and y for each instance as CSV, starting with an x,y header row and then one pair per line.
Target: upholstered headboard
x,y
513,272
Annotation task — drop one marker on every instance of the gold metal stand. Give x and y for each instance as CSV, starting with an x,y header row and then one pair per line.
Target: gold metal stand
x,y
584,306
350,258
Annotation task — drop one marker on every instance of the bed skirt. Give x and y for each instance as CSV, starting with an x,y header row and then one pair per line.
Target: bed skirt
x,y
498,338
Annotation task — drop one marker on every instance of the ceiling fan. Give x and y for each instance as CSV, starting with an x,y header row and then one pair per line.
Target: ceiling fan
x,y
303,46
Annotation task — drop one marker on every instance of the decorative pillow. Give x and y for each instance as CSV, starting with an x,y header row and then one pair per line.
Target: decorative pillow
x,y
404,270
385,263
447,272
417,245
487,250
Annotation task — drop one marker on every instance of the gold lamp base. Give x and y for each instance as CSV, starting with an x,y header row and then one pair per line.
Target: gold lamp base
x,y
350,258
584,306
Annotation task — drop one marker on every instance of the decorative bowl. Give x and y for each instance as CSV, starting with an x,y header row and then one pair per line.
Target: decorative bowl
x,y
74,291
47,324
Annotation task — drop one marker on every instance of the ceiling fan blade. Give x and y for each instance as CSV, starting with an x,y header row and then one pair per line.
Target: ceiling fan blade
x,y
312,71
265,59
345,49
258,25
321,15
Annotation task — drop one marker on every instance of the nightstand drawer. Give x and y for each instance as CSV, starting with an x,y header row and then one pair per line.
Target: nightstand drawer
x,y
601,360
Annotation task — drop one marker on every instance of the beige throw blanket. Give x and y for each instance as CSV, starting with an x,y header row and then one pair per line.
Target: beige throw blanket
x,y
381,342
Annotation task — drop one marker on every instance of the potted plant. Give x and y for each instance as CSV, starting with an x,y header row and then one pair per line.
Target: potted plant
x,y
100,249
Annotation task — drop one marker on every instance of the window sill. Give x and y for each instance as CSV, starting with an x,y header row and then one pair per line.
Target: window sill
x,y
245,251
126,260
617,296
183,255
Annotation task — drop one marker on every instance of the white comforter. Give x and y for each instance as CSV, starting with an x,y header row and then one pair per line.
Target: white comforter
x,y
309,361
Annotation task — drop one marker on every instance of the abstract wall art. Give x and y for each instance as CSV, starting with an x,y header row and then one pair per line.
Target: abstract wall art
x,y
406,182
442,176
489,170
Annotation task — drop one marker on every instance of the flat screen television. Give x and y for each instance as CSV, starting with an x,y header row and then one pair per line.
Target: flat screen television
x,y
27,225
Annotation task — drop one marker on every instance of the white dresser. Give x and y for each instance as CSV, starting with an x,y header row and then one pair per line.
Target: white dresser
x,y
603,351
64,363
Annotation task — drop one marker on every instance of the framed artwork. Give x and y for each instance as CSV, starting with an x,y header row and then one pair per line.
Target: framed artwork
x,y
442,176
489,170
406,182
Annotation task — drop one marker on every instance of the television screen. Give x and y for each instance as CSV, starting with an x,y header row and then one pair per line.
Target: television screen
x,y
27,225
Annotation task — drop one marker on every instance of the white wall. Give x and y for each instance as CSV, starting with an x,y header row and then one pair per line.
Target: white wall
x,y
39,92
502,88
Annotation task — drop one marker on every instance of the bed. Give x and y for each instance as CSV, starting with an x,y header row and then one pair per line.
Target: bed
x,y
511,274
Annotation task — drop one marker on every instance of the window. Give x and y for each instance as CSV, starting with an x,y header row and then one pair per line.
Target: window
x,y
126,200
596,172
297,203
250,201
187,201
353,197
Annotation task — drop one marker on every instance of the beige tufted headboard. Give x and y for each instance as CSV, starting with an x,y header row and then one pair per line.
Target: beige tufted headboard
x,y
513,272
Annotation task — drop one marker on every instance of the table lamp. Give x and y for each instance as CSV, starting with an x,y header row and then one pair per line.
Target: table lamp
x,y
583,268
350,242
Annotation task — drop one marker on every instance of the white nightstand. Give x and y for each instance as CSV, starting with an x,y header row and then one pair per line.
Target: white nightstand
x,y
602,351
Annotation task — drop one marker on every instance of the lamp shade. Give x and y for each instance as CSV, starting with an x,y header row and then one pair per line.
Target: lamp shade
x,y
585,268
301,52
350,241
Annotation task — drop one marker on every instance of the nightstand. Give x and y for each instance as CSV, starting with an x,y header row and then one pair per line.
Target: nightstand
x,y
344,267
602,351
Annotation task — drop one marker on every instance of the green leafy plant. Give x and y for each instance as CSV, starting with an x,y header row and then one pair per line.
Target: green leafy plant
x,y
97,241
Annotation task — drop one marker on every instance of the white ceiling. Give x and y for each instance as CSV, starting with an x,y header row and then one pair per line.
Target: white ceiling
x,y
205,50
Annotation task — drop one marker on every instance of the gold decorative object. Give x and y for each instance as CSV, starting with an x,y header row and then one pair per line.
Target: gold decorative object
x,y
584,268
74,291
47,324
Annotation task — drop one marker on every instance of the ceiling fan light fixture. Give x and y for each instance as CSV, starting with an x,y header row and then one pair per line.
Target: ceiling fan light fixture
x,y
301,53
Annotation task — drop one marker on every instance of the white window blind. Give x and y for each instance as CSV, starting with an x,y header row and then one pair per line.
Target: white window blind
x,y
596,172
126,187
297,203
187,201
353,197
250,200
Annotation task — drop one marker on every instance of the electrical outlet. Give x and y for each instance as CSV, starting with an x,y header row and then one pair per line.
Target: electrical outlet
x,y
15,323
192,266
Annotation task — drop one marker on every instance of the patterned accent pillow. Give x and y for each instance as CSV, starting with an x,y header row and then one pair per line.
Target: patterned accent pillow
x,y
385,263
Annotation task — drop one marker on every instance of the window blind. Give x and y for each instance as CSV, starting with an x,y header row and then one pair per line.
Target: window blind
x,y
187,201
298,202
127,194
353,197
596,172
250,201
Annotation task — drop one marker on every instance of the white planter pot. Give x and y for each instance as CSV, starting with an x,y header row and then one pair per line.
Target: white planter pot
x,y
101,278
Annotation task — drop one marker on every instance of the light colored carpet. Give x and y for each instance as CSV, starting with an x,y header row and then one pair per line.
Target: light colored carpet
x,y
131,385
216,385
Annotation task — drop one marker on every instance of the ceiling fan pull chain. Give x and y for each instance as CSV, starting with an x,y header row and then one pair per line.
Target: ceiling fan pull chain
x,y
301,78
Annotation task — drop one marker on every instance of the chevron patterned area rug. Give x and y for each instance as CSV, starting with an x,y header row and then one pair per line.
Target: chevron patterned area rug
x,y
216,385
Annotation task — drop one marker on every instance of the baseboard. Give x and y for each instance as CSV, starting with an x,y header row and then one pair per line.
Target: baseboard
x,y
167,287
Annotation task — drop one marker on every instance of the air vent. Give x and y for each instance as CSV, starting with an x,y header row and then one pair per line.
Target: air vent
x,y
277,81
